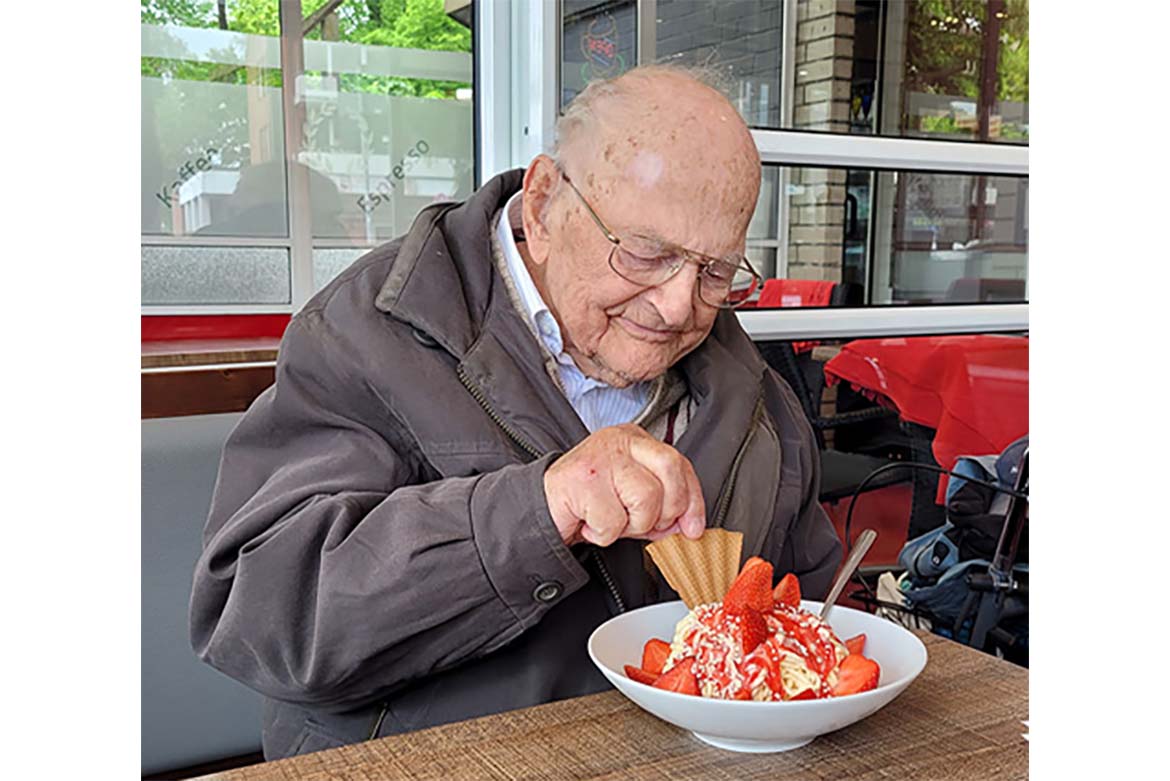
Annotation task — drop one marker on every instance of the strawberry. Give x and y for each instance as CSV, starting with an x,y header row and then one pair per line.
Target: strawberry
x,y
680,678
755,629
804,694
787,592
856,674
855,644
640,675
752,587
654,655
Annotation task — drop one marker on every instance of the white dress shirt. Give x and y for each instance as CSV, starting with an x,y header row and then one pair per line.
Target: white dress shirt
x,y
597,404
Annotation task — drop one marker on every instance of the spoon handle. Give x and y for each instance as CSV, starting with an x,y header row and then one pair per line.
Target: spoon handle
x,y
860,548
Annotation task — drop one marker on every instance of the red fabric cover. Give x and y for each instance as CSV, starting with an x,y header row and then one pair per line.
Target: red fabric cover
x,y
796,292
972,390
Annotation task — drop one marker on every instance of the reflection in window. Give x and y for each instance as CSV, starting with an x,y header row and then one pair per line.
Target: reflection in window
x,y
385,116
598,41
954,69
739,37
381,103
901,237
212,122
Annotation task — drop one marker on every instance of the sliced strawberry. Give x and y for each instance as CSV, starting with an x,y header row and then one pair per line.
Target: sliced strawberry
x,y
640,675
755,629
787,591
654,655
856,674
855,644
680,678
751,588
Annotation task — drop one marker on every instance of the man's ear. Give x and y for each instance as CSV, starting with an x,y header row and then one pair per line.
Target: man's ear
x,y
540,183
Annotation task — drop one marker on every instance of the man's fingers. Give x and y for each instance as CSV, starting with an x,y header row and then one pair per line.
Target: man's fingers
x,y
658,534
694,519
640,492
604,515
682,494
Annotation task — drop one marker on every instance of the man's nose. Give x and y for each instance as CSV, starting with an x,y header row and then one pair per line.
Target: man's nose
x,y
675,298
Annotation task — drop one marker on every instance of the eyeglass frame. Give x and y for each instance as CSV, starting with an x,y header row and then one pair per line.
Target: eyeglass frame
x,y
687,255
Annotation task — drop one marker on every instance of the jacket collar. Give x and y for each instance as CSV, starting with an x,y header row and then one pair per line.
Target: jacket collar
x,y
442,276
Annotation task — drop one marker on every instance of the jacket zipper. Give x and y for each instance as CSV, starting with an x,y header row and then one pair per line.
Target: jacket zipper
x,y
725,499
595,554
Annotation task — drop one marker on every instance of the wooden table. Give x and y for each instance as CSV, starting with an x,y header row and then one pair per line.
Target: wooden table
x,y
959,720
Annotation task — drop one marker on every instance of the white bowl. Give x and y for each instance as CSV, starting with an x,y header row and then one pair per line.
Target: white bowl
x,y
756,726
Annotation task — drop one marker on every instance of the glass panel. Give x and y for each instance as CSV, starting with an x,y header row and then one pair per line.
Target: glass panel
x,y
212,122
763,224
386,118
215,275
900,238
950,69
741,37
328,263
763,260
598,41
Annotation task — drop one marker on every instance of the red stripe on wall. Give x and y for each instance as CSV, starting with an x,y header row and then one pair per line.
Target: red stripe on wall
x,y
157,328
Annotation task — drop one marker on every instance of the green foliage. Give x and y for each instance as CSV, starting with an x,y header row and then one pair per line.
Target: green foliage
x,y
410,24
945,49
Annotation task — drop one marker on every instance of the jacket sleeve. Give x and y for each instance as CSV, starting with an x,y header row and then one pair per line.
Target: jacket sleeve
x,y
328,577
805,543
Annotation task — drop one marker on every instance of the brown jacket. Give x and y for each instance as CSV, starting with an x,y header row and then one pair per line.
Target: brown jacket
x,y
379,557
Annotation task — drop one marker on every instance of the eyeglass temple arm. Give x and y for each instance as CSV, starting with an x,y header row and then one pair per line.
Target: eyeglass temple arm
x,y
613,239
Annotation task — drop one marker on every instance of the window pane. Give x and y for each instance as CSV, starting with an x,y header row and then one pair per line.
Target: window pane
x,y
763,224
386,116
215,275
901,237
951,69
598,41
328,263
212,122
742,38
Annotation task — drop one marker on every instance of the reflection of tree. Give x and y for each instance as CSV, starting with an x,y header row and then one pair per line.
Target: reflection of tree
x,y
408,24
947,44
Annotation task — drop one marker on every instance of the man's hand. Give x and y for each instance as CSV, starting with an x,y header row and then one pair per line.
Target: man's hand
x,y
622,482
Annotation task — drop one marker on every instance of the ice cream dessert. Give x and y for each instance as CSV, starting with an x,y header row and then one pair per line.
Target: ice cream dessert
x,y
757,644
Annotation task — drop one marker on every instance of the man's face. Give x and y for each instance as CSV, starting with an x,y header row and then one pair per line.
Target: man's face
x,y
618,331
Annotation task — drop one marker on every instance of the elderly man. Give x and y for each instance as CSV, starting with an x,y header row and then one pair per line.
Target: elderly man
x,y
475,429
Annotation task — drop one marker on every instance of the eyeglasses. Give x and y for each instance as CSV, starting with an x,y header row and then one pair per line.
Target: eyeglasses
x,y
726,282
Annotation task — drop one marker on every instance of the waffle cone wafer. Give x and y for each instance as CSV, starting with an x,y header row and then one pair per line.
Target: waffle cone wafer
x,y
699,570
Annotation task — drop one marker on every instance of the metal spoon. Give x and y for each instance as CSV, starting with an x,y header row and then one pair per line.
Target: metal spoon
x,y
860,548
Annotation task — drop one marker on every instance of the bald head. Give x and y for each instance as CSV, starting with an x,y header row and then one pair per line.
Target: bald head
x,y
665,131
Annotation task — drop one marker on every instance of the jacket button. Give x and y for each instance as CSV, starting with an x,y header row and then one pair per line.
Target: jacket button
x,y
547,592
423,338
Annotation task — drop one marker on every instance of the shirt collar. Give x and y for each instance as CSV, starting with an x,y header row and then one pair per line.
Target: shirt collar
x,y
537,311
